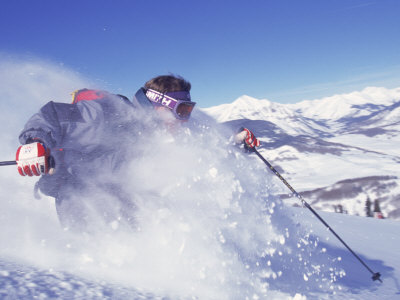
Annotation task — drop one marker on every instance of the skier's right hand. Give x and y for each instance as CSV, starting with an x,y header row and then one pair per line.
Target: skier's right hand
x,y
33,159
247,137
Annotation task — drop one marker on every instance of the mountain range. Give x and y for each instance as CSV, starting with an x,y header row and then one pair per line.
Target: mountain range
x,y
335,151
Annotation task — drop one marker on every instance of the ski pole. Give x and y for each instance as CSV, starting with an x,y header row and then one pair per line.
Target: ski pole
x,y
375,275
8,163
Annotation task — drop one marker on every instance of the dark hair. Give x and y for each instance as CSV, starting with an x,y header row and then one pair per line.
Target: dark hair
x,y
168,83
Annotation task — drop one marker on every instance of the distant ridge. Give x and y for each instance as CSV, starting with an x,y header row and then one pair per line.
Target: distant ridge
x,y
334,107
329,144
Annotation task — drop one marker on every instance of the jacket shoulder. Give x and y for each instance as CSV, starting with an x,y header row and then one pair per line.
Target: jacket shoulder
x,y
62,111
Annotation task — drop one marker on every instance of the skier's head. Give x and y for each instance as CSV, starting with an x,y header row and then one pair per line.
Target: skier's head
x,y
168,83
170,96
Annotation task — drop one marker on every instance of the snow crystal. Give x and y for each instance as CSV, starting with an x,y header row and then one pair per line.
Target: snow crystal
x,y
213,172
299,297
86,258
114,225
4,273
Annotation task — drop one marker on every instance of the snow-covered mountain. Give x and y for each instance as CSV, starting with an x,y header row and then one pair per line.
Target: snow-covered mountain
x,y
346,143
210,224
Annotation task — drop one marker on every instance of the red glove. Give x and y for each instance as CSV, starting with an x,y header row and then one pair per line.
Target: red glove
x,y
247,137
33,159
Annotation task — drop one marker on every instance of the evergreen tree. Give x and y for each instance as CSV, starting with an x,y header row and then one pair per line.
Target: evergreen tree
x,y
377,207
368,211
377,210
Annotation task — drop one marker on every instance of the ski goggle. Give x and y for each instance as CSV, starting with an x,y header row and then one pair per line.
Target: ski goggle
x,y
180,108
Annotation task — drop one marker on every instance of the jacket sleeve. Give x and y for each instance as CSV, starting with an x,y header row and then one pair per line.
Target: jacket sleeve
x,y
46,125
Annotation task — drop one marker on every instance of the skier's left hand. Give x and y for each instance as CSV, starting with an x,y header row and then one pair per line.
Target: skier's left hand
x,y
33,159
247,137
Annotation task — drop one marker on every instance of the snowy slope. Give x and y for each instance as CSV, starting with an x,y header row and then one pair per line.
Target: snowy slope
x,y
374,240
210,221
211,227
317,144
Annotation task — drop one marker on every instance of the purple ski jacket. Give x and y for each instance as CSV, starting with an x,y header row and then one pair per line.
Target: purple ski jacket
x,y
84,138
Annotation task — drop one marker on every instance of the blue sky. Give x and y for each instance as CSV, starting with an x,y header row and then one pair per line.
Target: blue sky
x,y
285,51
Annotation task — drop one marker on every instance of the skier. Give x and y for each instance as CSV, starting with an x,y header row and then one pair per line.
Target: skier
x,y
71,146
79,149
